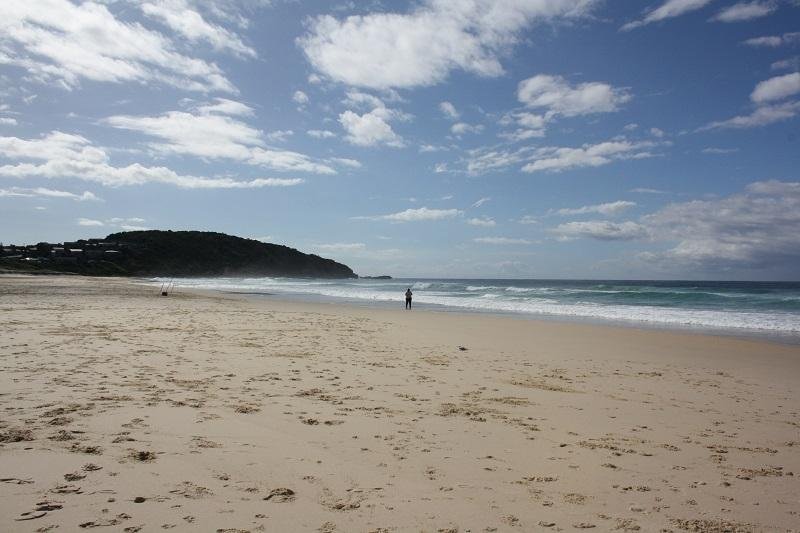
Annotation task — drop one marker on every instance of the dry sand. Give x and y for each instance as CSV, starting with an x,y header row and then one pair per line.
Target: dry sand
x,y
121,408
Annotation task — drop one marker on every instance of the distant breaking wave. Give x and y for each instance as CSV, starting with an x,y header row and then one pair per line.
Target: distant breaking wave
x,y
736,306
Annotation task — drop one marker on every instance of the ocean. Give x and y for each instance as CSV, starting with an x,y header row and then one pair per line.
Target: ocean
x,y
746,308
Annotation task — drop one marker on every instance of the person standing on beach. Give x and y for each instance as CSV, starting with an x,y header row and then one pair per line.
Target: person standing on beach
x,y
408,298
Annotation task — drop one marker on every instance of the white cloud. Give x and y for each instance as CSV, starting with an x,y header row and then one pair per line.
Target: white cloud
x,y
62,43
776,88
225,106
370,129
279,135
669,9
608,209
415,215
64,155
531,126
125,224
645,190
352,163
86,196
449,110
427,148
554,159
215,136
528,219
320,134
793,63
384,50
500,240
341,247
774,41
300,97
460,128
759,227
745,11
762,116
130,227
8,121
554,94
134,220
719,151
604,230
481,201
483,160
486,222
362,100
179,16
521,134
657,133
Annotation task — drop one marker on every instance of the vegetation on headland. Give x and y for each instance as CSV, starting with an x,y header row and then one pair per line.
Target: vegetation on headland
x,y
171,253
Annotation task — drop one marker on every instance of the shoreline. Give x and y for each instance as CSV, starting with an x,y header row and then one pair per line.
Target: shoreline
x,y
791,339
777,325
201,409
737,333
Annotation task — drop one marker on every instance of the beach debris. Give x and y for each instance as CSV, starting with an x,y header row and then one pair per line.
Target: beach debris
x,y
142,456
16,480
463,348
48,506
750,473
280,495
246,409
60,421
66,489
105,522
62,435
701,524
189,490
30,515
16,435
91,450
166,287
74,476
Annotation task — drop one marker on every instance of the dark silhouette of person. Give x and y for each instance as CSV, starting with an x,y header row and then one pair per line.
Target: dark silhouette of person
x,y
408,298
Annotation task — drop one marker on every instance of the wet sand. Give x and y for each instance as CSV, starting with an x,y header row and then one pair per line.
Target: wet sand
x,y
122,408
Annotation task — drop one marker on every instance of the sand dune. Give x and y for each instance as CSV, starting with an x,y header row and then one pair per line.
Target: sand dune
x,y
127,410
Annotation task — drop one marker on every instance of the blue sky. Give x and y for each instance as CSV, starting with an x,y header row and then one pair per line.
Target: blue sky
x,y
526,138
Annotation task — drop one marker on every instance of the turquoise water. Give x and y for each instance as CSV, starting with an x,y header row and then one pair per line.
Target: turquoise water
x,y
716,305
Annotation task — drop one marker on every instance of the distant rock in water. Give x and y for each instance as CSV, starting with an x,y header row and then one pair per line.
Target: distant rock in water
x,y
375,277
175,253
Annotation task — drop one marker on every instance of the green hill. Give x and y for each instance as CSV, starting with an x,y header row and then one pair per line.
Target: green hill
x,y
183,254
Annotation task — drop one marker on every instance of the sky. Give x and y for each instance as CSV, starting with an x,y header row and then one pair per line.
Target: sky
x,y
437,138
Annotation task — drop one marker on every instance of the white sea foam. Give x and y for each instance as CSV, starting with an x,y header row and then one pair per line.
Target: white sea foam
x,y
478,298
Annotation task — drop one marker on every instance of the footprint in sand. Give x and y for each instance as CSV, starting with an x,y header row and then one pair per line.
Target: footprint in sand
x,y
280,495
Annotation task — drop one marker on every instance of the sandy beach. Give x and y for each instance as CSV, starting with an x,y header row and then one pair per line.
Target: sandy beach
x,y
126,410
